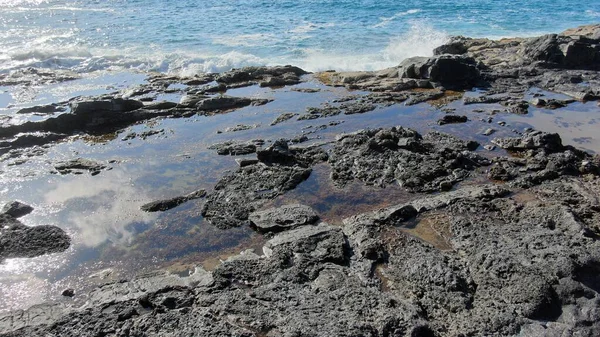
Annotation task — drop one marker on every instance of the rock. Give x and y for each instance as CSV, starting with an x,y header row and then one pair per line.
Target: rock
x,y
283,218
233,148
16,209
162,105
243,162
240,193
531,140
266,75
190,100
98,107
450,70
79,165
18,240
42,109
488,132
541,157
167,204
69,292
241,127
283,117
30,139
383,156
452,119
420,97
222,103
489,147
591,32
34,76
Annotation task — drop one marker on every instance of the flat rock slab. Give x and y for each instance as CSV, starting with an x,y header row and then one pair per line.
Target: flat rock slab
x,y
19,240
283,218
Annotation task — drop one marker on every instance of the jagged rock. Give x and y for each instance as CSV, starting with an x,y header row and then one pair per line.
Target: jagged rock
x,y
79,165
283,218
167,204
384,156
450,70
233,148
238,194
18,240
16,209
283,117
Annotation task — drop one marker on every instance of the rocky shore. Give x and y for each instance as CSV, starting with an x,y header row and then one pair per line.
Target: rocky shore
x,y
501,241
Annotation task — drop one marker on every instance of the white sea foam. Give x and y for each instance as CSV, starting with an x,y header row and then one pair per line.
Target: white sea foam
x,y
419,39
309,27
245,40
386,20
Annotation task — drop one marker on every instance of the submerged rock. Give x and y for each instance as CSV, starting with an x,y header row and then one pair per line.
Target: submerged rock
x,y
79,166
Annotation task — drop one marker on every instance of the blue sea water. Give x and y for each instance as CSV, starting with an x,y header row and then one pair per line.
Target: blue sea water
x,y
190,36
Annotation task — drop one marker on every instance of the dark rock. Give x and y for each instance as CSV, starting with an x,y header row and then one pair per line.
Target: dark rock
x,y
69,292
238,194
383,156
167,204
16,209
450,70
531,140
222,103
283,218
541,157
283,117
233,148
253,75
452,119
18,240
42,109
163,105
79,165
34,76
98,107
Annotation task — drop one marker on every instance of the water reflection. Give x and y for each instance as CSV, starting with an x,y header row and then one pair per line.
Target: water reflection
x,y
101,207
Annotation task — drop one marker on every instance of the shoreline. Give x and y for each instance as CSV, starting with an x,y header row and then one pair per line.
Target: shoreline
x,y
489,230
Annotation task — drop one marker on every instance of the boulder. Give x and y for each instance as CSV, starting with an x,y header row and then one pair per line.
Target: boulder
x,y
449,70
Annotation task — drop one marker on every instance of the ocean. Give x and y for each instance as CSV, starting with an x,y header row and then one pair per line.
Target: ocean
x,y
191,36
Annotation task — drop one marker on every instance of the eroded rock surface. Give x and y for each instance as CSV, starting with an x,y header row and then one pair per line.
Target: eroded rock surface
x,y
280,168
19,240
420,164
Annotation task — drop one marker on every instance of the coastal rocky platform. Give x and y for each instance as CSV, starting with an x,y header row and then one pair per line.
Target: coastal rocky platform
x,y
496,232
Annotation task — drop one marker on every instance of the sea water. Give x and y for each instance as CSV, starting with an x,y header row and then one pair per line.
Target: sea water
x,y
191,36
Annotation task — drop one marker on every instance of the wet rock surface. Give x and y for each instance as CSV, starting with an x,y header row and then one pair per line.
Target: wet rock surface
x,y
512,266
167,204
540,156
19,240
80,166
505,244
279,169
398,155
16,209
283,218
